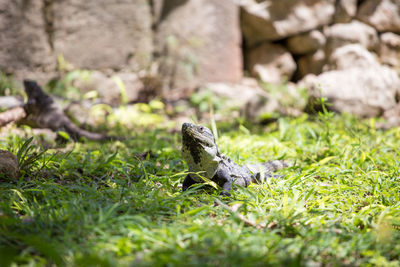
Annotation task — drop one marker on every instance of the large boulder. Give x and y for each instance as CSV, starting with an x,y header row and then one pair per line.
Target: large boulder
x,y
345,11
383,15
285,99
389,50
349,56
275,20
365,92
198,41
111,89
103,34
271,63
392,117
25,44
255,103
8,101
248,89
349,33
306,43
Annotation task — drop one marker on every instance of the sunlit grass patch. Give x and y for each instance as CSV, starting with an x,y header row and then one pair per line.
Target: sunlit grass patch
x,y
120,203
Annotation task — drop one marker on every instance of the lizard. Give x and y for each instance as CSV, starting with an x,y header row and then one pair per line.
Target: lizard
x,y
43,112
200,151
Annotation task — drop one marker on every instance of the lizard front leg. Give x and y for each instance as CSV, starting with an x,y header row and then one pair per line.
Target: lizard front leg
x,y
223,179
188,182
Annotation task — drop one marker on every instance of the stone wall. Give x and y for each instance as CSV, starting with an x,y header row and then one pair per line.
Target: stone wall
x,y
199,41
192,42
308,32
24,42
103,34
345,50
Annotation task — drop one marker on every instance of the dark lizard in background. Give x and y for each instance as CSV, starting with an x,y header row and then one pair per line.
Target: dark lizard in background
x,y
43,112
201,153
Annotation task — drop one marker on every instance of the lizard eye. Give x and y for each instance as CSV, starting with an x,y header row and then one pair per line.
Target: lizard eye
x,y
201,129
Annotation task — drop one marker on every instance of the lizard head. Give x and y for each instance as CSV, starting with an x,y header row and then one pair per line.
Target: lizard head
x,y
198,134
37,99
199,149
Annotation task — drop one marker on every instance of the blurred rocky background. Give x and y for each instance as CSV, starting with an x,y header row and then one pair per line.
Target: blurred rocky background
x,y
259,56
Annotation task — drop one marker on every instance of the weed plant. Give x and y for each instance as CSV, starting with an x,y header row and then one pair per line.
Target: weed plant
x,y
111,204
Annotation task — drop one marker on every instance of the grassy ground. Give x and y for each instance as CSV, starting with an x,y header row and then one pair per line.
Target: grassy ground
x,y
91,204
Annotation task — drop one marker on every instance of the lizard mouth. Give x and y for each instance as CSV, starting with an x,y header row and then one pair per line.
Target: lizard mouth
x,y
190,130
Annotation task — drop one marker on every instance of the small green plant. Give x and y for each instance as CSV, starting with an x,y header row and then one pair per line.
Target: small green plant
x,y
66,86
206,99
7,86
288,96
181,58
28,155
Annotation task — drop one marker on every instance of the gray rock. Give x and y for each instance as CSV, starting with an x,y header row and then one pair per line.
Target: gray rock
x,y
132,83
345,11
383,15
350,56
40,76
389,50
306,43
247,89
81,113
275,20
253,102
23,38
7,102
109,87
9,169
286,99
198,42
365,92
349,33
392,117
312,63
104,34
271,63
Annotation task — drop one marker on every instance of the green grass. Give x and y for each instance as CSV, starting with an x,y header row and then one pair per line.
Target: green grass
x,y
108,205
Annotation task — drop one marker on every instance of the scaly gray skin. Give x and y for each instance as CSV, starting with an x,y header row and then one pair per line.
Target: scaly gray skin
x,y
200,152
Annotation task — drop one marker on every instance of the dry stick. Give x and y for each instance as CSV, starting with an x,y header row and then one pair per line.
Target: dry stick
x,y
239,216
12,115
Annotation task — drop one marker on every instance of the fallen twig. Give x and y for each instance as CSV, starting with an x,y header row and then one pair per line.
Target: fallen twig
x,y
239,216
12,115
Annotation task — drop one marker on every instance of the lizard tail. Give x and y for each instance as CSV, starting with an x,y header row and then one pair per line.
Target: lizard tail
x,y
262,171
75,132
